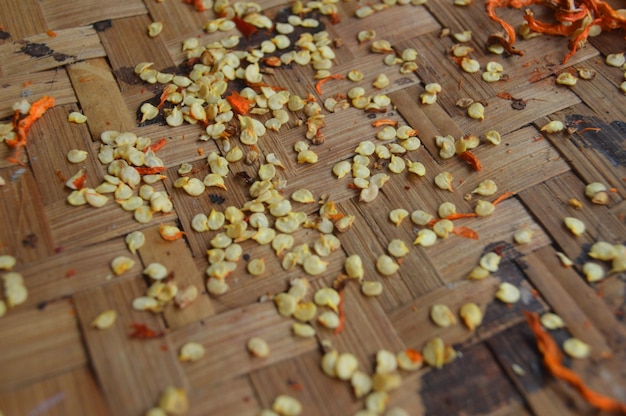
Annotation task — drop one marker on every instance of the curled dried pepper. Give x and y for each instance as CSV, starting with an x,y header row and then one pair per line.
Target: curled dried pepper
x,y
22,127
552,360
384,122
503,197
244,27
156,146
472,159
142,331
239,103
150,171
342,314
466,232
574,18
318,84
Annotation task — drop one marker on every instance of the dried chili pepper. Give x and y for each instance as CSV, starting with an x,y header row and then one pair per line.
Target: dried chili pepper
x,y
150,171
244,27
472,159
552,360
198,4
574,18
342,314
384,122
156,146
466,232
239,103
318,84
503,197
141,331
22,127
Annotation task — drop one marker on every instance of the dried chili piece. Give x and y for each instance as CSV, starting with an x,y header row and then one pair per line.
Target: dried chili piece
x,y
552,360
142,331
244,27
150,171
318,84
22,127
239,103
156,146
472,159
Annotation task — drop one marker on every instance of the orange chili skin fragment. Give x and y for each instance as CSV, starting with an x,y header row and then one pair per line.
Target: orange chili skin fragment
x,y
552,360
466,232
342,314
384,122
471,158
503,197
51,33
413,355
22,127
79,182
150,171
239,103
318,84
156,146
244,27
141,331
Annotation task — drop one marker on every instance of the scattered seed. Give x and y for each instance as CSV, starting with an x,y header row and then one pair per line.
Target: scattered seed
x,y
552,321
345,366
191,352
105,320
120,264
576,348
442,316
565,78
508,293
287,406
386,265
443,180
554,126
471,315
7,262
303,330
593,272
576,226
476,111
258,347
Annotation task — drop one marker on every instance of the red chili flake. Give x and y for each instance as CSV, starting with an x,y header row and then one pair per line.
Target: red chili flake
x,y
318,84
27,84
156,146
60,175
244,27
552,358
342,314
239,103
22,127
79,182
150,171
141,331
472,159
51,33
70,273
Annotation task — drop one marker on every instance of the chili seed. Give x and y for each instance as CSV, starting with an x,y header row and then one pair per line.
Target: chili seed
x,y
508,293
576,348
442,316
191,352
105,320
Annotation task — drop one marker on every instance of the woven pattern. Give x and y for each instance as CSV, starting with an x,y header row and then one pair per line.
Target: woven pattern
x,y
83,54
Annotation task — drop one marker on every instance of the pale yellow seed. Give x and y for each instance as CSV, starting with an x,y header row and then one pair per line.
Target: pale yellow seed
x,y
493,137
565,78
258,347
508,293
7,262
285,304
593,272
121,264
386,265
77,156
396,216
552,321
305,311
428,98
601,250
154,29
314,265
425,238
376,402
470,65
490,261
523,236
409,360
191,352
420,217
217,286
361,383
256,267
329,319
443,181
471,315
576,226
486,187
381,81
434,352
76,117
303,330
615,59
174,401
554,126
145,303
576,348
287,406
484,208
345,366
386,382
371,288
366,35
442,316
476,111
104,320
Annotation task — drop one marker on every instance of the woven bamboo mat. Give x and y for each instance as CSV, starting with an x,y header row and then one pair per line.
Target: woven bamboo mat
x,y
83,54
